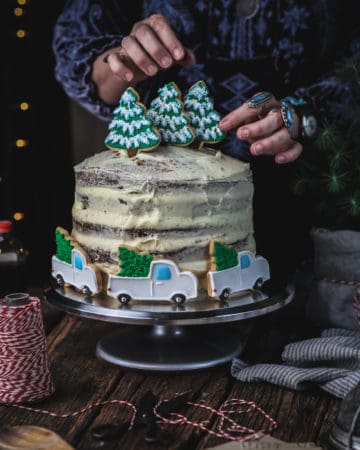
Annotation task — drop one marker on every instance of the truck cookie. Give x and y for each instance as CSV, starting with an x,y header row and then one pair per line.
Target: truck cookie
x,y
233,272
164,282
70,265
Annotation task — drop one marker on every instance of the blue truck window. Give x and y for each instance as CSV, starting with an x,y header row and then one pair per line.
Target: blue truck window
x,y
78,262
244,261
162,272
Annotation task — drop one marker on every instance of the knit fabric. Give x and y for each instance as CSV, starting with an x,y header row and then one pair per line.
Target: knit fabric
x,y
331,362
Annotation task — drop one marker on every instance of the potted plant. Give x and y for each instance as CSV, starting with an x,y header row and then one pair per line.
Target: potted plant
x,y
329,177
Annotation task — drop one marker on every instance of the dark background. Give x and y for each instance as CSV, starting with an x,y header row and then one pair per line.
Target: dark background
x,y
36,180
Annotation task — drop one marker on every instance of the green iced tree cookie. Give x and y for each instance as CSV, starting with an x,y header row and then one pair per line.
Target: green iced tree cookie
x,y
204,119
222,256
167,112
131,128
133,264
63,245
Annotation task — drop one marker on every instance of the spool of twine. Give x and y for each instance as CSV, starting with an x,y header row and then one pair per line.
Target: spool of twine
x,y
24,367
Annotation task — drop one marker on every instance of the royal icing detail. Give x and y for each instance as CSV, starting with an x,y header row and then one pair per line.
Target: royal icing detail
x,y
204,119
131,128
167,112
133,264
143,278
222,256
64,245
232,272
72,265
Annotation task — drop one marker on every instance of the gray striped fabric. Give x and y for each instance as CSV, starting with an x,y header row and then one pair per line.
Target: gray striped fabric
x,y
331,361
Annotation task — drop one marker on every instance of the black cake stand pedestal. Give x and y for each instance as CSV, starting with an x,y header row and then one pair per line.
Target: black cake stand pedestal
x,y
161,336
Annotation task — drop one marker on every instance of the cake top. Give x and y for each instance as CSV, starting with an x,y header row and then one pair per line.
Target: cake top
x,y
167,164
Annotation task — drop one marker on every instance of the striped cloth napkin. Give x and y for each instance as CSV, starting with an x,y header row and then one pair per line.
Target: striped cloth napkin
x,y
331,361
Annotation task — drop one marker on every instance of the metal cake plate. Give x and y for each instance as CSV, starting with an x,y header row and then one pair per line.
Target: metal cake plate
x,y
200,334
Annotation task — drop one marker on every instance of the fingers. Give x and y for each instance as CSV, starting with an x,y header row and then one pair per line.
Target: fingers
x,y
290,155
261,128
266,125
279,144
188,59
139,56
119,68
151,46
273,144
244,114
166,35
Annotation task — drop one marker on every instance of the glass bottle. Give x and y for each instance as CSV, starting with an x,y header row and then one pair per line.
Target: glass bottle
x,y
13,257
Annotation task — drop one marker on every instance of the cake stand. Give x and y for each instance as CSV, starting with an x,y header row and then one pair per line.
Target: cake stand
x,y
162,336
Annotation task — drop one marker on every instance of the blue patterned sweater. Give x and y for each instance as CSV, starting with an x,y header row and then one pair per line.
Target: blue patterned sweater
x,y
289,47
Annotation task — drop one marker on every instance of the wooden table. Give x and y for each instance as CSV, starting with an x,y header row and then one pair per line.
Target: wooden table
x,y
81,378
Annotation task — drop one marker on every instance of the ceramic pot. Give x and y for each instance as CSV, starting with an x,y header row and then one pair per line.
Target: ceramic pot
x,y
334,299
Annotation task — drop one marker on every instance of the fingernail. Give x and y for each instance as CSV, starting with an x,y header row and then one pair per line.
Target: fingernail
x,y
151,69
178,54
257,149
128,76
244,133
223,123
166,61
281,159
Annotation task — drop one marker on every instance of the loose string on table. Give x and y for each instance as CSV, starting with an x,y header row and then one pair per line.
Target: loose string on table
x,y
80,411
227,428
234,429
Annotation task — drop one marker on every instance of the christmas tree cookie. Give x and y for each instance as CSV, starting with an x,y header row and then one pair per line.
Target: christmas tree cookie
x,y
204,119
131,129
64,245
222,256
167,112
71,265
133,264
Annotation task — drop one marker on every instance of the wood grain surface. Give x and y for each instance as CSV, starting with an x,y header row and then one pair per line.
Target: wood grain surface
x,y
80,378
29,437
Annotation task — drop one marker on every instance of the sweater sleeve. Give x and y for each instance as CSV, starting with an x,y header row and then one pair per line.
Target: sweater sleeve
x,y
84,30
333,96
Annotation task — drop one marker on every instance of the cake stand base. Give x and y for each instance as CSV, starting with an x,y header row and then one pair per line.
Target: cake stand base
x,y
173,348
161,336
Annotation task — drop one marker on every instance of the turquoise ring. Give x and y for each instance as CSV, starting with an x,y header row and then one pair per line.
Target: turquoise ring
x,y
288,117
260,100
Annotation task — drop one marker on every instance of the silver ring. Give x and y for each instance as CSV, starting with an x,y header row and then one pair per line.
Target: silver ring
x,y
260,100
288,118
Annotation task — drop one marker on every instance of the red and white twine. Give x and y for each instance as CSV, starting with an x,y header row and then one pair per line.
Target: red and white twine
x,y
25,376
24,367
227,428
82,410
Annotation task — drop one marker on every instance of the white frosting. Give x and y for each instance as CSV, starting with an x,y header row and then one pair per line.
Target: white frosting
x,y
163,201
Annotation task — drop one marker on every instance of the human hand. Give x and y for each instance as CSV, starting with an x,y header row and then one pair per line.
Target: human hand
x,y
269,126
150,47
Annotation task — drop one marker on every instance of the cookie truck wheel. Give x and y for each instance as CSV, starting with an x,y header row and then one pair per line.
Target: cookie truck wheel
x,y
124,298
179,299
86,291
60,280
258,283
224,295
